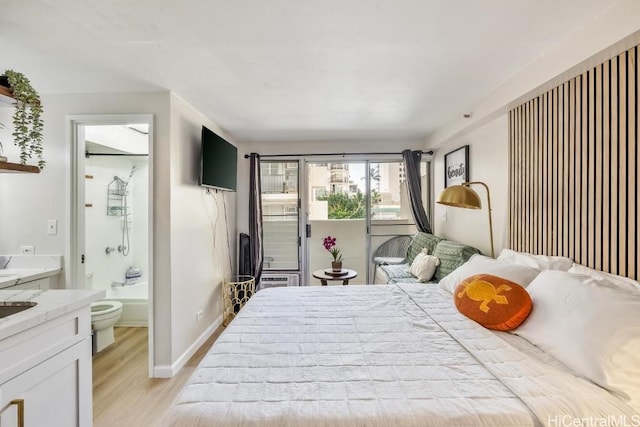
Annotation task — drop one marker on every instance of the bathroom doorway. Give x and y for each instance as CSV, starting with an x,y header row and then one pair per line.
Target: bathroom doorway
x,y
111,219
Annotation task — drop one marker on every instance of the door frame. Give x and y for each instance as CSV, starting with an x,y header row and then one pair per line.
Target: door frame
x,y
75,221
367,160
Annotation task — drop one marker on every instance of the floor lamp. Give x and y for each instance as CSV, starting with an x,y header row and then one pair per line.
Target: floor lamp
x,y
463,196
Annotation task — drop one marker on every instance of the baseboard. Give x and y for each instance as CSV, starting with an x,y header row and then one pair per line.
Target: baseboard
x,y
169,371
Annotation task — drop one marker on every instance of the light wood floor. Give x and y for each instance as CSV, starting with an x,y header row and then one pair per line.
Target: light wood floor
x,y
123,394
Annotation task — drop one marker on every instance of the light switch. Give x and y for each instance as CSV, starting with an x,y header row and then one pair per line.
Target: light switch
x,y
52,227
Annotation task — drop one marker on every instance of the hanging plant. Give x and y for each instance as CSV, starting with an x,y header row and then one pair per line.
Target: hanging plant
x,y
27,118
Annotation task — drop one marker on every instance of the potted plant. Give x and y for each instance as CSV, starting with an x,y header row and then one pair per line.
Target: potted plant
x,y
329,244
27,117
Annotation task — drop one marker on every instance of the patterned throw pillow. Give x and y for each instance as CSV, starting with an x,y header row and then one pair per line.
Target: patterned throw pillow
x,y
492,301
421,241
451,255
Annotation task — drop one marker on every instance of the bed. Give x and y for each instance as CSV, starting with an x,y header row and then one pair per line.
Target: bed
x,y
385,355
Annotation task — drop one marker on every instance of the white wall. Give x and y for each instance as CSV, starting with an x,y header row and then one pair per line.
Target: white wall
x,y
188,267
28,201
139,231
200,250
488,160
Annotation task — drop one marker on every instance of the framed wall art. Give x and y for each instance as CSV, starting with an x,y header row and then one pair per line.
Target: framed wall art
x,y
456,166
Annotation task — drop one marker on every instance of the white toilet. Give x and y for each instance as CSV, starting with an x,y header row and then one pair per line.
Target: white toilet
x,y
104,314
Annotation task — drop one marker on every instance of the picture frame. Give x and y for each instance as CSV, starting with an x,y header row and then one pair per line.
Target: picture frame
x,y
456,166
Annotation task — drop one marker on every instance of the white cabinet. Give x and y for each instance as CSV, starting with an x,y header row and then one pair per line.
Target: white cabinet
x,y
48,368
50,391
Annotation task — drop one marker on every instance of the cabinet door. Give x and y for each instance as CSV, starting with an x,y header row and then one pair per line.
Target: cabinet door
x,y
56,392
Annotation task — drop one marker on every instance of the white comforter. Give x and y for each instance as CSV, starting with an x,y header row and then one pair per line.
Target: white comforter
x,y
396,355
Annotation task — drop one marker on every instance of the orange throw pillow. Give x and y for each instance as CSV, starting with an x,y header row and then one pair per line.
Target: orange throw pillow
x,y
493,302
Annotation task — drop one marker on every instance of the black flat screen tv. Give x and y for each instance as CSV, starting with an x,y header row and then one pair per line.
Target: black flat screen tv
x,y
219,162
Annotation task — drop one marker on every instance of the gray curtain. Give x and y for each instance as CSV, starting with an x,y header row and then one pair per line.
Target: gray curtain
x,y
255,218
414,188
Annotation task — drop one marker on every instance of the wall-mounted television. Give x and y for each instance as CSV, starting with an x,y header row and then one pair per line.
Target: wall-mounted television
x,y
219,162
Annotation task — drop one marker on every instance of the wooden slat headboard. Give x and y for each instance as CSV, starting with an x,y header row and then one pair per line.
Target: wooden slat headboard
x,y
574,160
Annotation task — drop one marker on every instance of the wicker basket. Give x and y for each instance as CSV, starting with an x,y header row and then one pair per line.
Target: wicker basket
x,y
235,294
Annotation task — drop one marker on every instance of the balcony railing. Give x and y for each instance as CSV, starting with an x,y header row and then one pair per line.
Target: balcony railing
x,y
281,243
338,166
334,178
278,184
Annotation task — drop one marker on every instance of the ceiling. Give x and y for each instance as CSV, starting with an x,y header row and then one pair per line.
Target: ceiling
x,y
291,70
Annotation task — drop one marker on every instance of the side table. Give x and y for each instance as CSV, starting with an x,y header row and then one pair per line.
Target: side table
x,y
325,277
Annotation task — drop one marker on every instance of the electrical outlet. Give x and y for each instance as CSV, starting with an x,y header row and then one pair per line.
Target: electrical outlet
x,y
28,250
199,315
52,227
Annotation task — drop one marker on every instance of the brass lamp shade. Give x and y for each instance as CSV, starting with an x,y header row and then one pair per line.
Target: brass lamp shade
x,y
460,196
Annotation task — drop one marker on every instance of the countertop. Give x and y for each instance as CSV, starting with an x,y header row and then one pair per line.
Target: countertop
x,y
15,276
50,304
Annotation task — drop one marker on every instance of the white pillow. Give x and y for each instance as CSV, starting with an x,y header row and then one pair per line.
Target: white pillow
x,y
480,264
541,262
607,279
424,266
593,329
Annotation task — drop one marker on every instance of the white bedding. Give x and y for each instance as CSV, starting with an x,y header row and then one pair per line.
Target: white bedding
x,y
386,355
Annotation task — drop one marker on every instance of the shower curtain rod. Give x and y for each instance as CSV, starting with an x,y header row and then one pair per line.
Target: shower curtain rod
x,y
246,156
87,154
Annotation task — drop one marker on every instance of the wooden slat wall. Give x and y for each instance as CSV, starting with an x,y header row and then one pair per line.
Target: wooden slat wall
x,y
574,160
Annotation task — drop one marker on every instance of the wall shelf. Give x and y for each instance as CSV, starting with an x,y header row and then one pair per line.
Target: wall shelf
x,y
6,96
6,167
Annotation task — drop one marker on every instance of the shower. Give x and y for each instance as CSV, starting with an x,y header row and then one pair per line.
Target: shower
x,y
117,205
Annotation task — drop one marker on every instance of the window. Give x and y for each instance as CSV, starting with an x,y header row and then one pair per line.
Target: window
x,y
389,197
319,192
390,207
280,214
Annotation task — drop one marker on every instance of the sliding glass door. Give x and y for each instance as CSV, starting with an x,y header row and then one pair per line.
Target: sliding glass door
x,y
360,203
337,206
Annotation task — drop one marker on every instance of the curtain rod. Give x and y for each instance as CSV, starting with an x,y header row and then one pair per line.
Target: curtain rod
x,y
87,154
246,156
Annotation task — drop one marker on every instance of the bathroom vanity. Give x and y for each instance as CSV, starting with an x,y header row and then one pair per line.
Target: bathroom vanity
x,y
45,374
31,272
